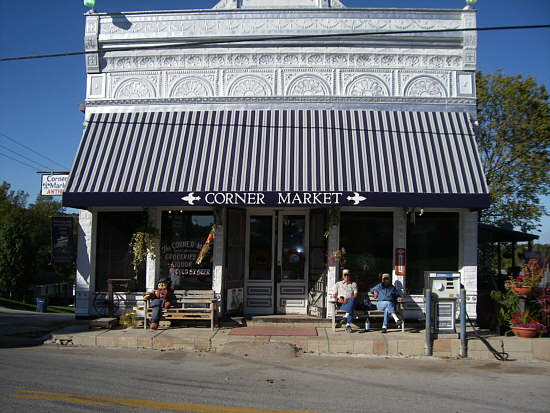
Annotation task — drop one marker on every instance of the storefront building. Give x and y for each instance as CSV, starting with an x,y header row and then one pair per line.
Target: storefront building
x,y
231,124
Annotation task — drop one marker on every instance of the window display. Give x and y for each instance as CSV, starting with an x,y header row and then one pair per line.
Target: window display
x,y
367,239
432,245
113,260
186,250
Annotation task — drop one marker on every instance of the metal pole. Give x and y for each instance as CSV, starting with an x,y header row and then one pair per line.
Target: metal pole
x,y
428,310
145,305
462,323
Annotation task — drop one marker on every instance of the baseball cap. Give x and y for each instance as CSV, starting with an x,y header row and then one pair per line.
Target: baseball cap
x,y
386,276
345,272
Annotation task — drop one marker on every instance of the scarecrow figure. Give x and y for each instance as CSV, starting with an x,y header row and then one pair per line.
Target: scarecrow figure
x,y
160,298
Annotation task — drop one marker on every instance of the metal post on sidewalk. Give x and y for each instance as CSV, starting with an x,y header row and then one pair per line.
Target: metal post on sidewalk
x,y
428,310
145,305
462,323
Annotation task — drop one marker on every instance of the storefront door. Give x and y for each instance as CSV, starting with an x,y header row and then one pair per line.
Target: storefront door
x,y
277,262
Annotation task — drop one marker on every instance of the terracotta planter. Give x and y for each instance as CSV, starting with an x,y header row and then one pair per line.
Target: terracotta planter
x,y
523,291
524,332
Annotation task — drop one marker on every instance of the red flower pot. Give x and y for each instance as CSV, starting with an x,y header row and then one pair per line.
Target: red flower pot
x,y
524,332
523,291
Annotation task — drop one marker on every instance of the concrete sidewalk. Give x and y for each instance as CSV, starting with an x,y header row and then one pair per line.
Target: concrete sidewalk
x,y
394,343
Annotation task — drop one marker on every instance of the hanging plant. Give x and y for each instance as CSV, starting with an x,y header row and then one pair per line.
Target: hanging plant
x,y
333,219
142,244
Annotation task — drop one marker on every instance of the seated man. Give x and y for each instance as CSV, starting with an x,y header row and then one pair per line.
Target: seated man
x,y
345,293
386,294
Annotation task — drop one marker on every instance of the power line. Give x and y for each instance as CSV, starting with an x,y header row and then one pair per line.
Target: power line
x,y
17,160
23,156
32,150
192,44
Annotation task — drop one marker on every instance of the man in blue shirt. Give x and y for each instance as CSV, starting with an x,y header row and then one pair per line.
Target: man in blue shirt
x,y
386,294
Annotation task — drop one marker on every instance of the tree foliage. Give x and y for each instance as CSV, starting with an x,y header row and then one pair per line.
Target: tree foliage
x,y
514,143
16,264
25,244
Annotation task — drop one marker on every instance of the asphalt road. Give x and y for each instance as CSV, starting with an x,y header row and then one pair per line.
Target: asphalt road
x,y
52,379
23,328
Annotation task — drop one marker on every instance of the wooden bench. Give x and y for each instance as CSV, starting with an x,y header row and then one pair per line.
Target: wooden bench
x,y
362,314
189,305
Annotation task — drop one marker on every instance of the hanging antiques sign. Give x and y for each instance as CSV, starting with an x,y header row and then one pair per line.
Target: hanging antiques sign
x,y
62,240
54,184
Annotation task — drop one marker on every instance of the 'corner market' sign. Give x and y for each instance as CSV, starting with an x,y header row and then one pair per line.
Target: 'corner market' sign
x,y
53,184
273,198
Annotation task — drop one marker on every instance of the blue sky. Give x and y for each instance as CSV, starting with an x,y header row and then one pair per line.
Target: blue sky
x,y
39,98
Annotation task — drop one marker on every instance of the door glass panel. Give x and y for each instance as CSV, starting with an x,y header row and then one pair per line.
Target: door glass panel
x,y
261,235
293,247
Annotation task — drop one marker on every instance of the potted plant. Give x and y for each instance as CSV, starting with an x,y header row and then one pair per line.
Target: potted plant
x,y
506,305
527,279
142,244
525,325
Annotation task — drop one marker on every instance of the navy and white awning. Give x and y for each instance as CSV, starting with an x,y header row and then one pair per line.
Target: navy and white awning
x,y
371,158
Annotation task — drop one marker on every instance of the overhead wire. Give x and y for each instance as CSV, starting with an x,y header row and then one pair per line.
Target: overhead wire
x,y
222,42
32,150
23,156
21,162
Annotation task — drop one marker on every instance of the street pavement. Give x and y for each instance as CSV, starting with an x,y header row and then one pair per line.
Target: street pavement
x,y
24,328
52,378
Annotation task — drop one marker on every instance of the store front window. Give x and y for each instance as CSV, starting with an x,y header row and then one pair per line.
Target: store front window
x,y
432,245
113,260
186,249
367,238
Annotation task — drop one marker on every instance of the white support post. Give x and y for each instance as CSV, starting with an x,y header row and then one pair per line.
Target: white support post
x,y
333,270
468,259
219,260
85,263
152,267
399,241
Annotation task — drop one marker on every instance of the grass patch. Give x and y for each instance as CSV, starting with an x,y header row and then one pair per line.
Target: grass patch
x,y
18,305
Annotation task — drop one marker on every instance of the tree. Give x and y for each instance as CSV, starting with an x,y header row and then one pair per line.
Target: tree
x,y
39,219
12,204
514,143
16,267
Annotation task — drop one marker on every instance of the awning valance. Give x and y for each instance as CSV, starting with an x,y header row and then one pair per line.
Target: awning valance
x,y
278,157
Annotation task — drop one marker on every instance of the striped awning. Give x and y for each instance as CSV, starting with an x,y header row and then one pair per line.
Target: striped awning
x,y
383,158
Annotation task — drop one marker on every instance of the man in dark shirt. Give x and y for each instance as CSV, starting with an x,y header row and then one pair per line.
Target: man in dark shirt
x,y
386,294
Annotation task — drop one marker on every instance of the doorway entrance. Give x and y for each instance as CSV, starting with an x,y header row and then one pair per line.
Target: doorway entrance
x,y
276,257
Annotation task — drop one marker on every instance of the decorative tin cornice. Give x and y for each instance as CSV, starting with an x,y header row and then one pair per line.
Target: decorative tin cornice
x,y
375,59
285,99
172,26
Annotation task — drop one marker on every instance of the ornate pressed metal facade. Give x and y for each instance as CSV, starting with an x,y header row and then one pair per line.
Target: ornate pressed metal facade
x,y
368,70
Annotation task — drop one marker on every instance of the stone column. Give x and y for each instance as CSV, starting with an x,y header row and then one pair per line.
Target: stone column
x,y
85,263
468,258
